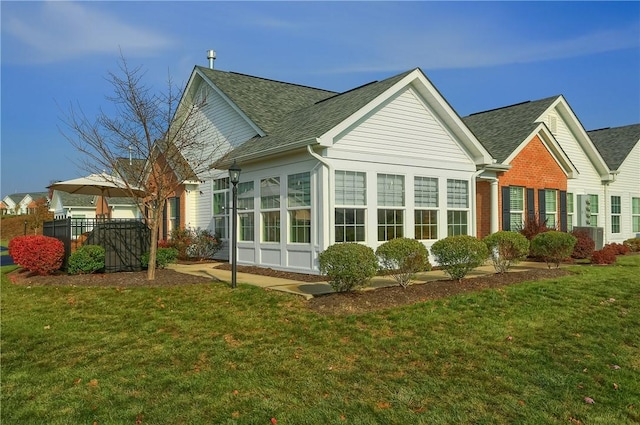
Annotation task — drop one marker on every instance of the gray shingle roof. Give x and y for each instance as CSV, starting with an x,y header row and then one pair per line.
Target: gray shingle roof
x,y
264,101
615,144
75,200
307,123
502,130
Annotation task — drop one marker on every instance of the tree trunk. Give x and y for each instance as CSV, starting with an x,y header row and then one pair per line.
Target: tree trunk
x,y
153,246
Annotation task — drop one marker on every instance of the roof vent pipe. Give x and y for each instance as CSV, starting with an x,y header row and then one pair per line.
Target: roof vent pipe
x,y
211,55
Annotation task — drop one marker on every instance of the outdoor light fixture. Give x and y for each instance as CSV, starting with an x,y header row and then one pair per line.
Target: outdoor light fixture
x,y
234,177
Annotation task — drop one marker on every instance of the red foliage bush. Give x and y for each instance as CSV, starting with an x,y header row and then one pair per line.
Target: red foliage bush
x,y
584,245
619,248
533,226
606,255
39,254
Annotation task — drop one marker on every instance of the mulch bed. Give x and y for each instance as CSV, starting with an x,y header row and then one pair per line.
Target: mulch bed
x,y
342,303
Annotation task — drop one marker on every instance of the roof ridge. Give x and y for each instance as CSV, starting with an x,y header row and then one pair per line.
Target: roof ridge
x,y
499,108
348,91
277,81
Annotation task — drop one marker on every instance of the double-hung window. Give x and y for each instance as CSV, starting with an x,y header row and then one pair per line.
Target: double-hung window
x,y
457,207
426,207
246,214
516,207
270,208
351,199
551,207
299,204
615,214
594,210
570,211
390,206
635,215
221,207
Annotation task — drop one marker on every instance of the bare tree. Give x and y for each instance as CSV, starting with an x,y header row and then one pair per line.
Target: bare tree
x,y
163,131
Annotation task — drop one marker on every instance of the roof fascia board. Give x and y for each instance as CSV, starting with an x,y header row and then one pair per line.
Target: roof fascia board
x,y
439,105
552,146
576,127
232,104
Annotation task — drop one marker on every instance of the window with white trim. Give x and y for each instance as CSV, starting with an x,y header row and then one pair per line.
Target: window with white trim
x,y
516,208
635,215
351,198
570,211
426,207
457,207
221,207
390,194
594,210
551,208
299,203
246,216
270,209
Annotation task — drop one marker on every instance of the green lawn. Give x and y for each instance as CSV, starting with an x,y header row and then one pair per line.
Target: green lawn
x,y
206,354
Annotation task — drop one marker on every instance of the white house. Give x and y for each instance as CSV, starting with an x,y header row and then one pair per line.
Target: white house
x,y
387,159
19,203
620,148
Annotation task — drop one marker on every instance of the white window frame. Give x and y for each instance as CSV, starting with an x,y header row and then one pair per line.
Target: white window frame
x,y
457,207
390,220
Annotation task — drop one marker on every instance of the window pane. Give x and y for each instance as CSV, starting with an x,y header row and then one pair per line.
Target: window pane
x,y
615,224
390,224
300,226
299,190
456,223
570,203
426,192
219,203
516,199
270,193
635,206
390,190
457,193
426,226
350,188
615,205
221,184
271,226
245,196
594,204
551,208
349,225
246,226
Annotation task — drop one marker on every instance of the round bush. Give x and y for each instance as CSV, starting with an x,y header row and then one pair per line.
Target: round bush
x,y
403,258
40,254
87,259
348,265
606,255
164,256
506,249
584,246
458,255
553,246
633,244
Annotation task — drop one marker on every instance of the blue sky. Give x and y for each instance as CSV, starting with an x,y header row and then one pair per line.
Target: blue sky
x,y
479,55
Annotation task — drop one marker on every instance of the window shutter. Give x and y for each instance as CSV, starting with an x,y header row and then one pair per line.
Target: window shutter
x,y
506,208
542,206
531,209
563,210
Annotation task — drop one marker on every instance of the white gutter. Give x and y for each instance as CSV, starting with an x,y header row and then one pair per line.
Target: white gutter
x,y
330,204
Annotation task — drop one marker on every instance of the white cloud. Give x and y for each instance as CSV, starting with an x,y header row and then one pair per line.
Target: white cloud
x,y
57,31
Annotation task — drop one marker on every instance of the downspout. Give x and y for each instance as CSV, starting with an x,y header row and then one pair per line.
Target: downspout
x,y
330,217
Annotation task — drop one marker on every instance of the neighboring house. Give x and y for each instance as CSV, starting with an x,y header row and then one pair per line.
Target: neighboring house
x,y
384,160
620,148
67,205
19,203
586,202
535,187
122,208
3,208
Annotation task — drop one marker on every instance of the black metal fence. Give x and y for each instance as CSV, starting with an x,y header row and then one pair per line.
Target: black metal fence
x,y
124,240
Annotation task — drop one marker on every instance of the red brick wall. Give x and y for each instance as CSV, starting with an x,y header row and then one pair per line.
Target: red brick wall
x,y
534,167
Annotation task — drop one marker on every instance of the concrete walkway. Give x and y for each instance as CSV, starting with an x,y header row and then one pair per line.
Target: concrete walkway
x,y
311,289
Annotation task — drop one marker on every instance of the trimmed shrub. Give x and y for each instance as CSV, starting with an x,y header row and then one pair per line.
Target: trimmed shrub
x,y
618,248
458,255
40,254
164,257
204,244
403,258
633,244
553,246
86,259
348,265
584,245
506,249
606,255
